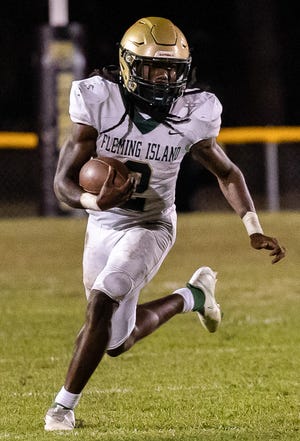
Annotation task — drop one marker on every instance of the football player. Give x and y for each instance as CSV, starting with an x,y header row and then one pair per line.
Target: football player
x,y
147,117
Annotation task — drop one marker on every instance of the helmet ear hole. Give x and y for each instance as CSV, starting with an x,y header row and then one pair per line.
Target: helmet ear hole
x,y
158,43
129,58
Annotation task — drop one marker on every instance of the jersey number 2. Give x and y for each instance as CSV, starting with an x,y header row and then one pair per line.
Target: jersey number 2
x,y
138,203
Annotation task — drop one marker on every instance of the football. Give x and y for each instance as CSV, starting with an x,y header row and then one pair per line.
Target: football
x,y
94,173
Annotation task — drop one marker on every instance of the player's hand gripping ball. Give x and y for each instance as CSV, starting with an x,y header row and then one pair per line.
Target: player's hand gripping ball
x,y
94,173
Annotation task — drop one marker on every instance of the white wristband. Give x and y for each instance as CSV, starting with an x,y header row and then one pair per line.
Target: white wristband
x,y
251,223
89,201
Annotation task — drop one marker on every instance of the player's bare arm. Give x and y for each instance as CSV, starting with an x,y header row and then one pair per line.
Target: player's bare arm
x,y
232,183
79,147
230,178
76,151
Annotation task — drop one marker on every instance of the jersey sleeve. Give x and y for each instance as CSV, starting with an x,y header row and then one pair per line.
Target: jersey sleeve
x,y
79,112
209,116
86,100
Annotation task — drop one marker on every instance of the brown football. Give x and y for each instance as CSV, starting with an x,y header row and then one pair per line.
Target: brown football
x,y
94,173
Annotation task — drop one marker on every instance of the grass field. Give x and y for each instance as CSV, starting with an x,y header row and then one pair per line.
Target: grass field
x,y
181,383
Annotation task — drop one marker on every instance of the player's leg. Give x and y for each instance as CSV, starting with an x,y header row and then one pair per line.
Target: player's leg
x,y
117,265
198,295
91,342
90,346
149,317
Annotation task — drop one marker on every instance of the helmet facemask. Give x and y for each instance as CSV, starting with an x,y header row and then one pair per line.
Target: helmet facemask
x,y
161,93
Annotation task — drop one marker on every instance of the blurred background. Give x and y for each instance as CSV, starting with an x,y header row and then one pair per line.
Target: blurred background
x,y
246,52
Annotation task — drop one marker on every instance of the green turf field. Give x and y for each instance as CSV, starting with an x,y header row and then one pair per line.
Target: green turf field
x,y
181,383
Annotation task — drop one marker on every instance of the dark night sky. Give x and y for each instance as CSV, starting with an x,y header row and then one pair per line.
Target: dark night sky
x,y
248,60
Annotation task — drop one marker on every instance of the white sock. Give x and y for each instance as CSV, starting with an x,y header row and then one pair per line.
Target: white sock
x,y
67,399
188,298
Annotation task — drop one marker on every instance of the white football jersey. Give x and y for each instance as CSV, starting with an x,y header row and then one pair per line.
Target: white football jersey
x,y
152,150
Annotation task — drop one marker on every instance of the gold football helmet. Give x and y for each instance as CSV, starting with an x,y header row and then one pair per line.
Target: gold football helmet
x,y
154,42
